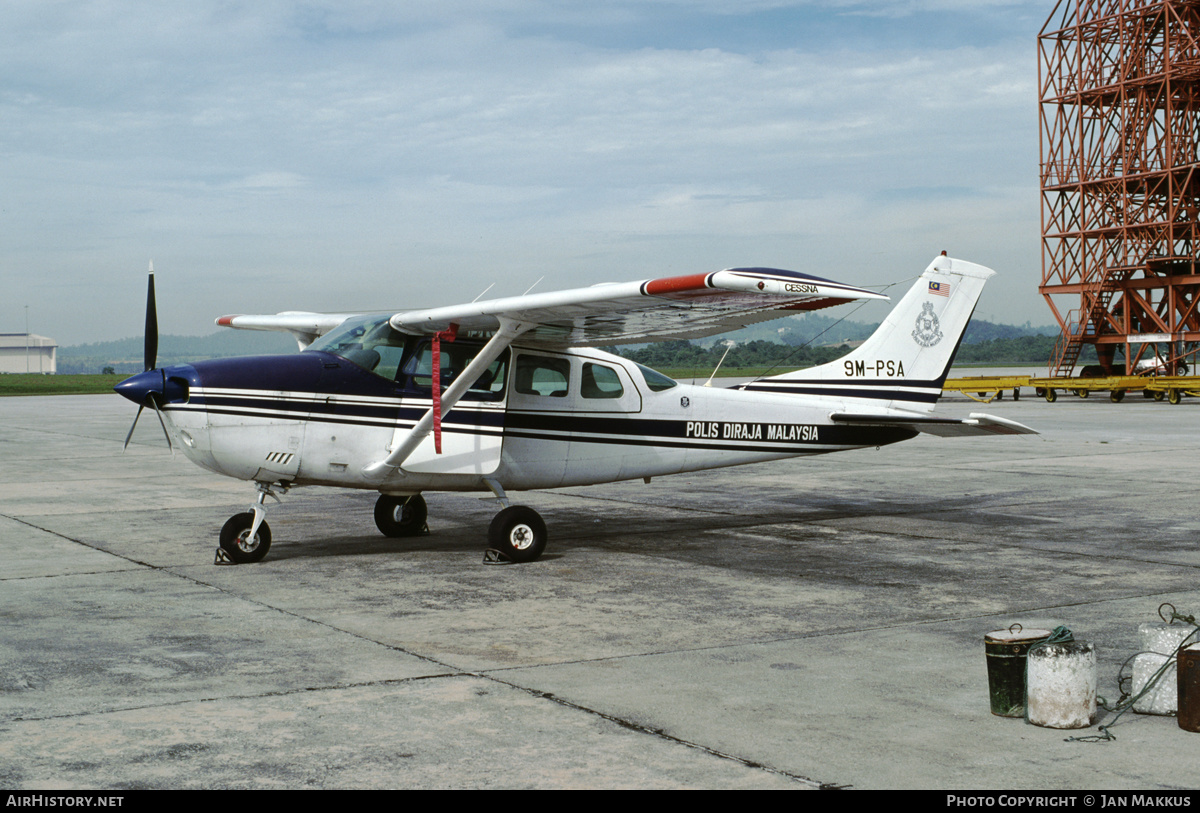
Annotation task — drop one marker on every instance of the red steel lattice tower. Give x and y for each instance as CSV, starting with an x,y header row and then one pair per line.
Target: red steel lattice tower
x,y
1120,122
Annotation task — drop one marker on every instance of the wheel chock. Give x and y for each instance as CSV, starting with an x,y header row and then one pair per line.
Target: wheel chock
x,y
491,556
223,557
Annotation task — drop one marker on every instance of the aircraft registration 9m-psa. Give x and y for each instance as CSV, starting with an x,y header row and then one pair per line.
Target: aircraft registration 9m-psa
x,y
508,395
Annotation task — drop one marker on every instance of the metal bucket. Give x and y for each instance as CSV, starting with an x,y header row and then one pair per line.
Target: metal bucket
x,y
1062,685
1188,675
1006,651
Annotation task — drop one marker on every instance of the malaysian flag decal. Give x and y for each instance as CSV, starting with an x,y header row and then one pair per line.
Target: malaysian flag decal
x,y
939,288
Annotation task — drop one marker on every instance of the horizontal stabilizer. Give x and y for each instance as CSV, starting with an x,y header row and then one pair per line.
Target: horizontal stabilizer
x,y
976,424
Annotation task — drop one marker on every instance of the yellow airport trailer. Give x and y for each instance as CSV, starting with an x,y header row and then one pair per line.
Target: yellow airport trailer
x,y
989,388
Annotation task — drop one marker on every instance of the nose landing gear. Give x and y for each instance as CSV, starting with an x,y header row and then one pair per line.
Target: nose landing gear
x,y
246,537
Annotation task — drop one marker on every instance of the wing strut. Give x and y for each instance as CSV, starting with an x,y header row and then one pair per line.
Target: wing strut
x,y
506,335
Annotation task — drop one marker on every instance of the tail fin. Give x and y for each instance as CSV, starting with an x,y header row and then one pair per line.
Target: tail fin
x,y
905,362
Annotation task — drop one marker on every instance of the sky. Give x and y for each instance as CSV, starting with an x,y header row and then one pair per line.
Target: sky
x,y
351,155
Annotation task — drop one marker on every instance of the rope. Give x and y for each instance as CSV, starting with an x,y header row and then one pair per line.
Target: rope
x,y
1126,701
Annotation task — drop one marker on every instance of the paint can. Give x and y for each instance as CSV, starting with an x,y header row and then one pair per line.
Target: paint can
x,y
1188,678
1061,685
1006,651
1157,643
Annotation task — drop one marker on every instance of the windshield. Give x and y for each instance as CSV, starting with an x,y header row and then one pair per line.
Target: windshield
x,y
368,341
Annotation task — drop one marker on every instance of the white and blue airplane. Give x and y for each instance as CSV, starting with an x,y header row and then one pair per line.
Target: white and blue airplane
x,y
508,395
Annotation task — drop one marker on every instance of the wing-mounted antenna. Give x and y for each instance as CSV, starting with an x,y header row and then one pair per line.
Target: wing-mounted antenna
x,y
729,344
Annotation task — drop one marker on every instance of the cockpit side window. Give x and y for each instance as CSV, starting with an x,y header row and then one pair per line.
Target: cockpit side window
x,y
417,370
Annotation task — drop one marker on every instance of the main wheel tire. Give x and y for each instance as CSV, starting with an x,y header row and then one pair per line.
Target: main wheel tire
x,y
519,533
236,541
400,516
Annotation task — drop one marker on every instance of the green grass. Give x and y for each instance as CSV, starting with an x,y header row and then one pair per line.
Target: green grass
x,y
34,384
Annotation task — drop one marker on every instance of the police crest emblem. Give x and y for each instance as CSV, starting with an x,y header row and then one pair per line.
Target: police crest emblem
x,y
928,330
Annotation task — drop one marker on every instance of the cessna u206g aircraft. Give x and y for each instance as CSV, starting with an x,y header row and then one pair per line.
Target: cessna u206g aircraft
x,y
508,394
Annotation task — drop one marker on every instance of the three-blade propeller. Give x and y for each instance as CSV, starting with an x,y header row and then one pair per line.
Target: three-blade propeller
x,y
151,361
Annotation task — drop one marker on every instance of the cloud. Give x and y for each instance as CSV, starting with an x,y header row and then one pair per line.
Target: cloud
x,y
260,150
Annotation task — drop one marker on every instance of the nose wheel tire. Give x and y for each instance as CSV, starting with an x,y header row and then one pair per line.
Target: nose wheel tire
x,y
401,516
239,545
519,533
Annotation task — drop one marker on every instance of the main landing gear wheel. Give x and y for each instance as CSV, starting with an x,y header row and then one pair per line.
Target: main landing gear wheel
x,y
401,516
237,543
519,533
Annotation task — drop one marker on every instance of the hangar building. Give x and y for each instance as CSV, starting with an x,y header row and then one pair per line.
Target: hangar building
x,y
28,352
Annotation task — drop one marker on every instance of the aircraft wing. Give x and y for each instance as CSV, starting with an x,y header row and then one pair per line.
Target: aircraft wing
x,y
976,424
682,307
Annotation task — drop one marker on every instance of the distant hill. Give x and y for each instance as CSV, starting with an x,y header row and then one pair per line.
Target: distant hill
x,y
820,330
813,338
126,355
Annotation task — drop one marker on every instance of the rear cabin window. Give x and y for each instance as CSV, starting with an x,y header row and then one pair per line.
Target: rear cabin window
x,y
656,381
542,375
598,381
